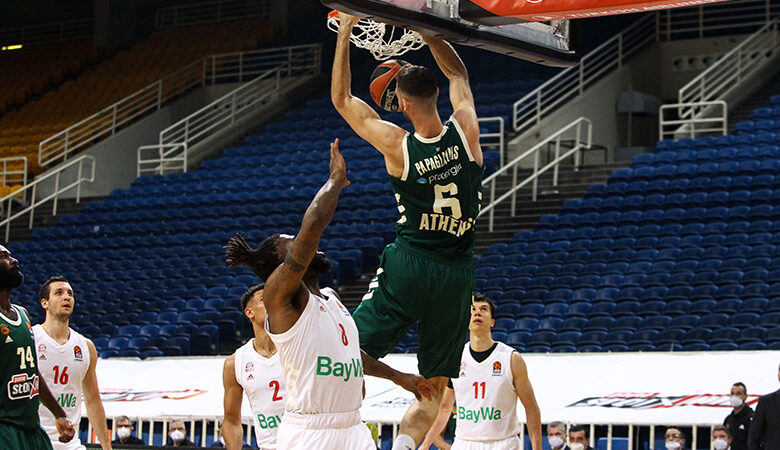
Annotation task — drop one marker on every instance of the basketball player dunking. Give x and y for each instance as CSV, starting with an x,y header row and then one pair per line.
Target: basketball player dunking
x,y
493,376
427,274
315,335
67,361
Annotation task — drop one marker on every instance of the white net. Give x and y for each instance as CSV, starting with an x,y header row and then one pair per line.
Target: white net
x,y
382,40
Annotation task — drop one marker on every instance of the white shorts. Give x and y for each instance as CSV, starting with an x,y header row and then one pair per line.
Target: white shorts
x,y
74,444
510,443
323,432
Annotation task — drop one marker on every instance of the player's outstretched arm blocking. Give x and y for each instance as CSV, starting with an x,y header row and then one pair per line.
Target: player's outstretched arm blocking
x,y
525,392
95,411
384,136
442,417
231,429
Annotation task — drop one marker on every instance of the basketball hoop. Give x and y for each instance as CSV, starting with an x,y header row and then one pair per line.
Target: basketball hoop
x,y
379,38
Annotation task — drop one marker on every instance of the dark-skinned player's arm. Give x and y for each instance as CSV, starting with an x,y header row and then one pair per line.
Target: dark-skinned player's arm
x,y
285,282
231,429
383,135
525,392
460,91
415,384
64,427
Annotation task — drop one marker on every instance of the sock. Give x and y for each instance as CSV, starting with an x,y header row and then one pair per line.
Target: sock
x,y
403,442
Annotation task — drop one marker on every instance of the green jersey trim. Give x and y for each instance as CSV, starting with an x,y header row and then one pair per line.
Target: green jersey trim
x,y
18,320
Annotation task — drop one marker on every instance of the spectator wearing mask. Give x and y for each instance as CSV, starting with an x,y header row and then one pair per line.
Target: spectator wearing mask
x,y
177,435
124,432
578,438
556,436
738,422
674,439
721,438
765,429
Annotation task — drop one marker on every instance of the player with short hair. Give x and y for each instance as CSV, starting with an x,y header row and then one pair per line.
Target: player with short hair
x,y
67,361
24,388
254,369
427,274
492,377
314,333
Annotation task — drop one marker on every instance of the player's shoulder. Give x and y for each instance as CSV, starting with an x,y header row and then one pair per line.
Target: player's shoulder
x,y
23,310
230,361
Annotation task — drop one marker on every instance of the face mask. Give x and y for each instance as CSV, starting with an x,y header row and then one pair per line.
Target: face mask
x,y
735,401
720,444
555,441
576,446
177,436
123,432
671,445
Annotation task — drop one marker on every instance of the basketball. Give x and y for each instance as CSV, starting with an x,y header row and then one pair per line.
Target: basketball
x,y
383,83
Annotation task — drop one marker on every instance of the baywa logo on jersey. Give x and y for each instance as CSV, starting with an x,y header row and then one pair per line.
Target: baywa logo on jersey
x,y
22,386
77,355
496,368
249,367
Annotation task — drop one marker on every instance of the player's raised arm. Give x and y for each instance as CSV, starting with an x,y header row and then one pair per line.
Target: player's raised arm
x,y
383,135
442,417
231,429
525,392
460,91
95,411
285,281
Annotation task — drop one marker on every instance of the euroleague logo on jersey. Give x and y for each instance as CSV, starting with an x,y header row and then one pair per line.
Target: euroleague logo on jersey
x,y
77,355
496,368
5,330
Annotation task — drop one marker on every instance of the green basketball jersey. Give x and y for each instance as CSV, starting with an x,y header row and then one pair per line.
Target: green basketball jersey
x,y
18,373
439,193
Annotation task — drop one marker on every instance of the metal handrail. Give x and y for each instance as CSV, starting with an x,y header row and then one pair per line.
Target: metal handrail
x,y
54,196
571,82
494,139
727,74
10,176
209,12
233,107
698,21
534,151
712,119
174,159
225,67
70,30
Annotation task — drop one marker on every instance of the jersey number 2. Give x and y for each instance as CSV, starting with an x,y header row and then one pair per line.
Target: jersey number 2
x,y
275,384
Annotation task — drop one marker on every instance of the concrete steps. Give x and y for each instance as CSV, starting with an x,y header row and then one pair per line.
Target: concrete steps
x,y
20,230
758,100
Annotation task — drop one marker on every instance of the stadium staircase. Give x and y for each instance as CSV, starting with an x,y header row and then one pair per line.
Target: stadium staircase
x,y
757,101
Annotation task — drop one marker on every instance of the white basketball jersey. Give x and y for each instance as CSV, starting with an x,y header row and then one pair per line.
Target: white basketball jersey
x,y
486,397
321,360
64,368
263,382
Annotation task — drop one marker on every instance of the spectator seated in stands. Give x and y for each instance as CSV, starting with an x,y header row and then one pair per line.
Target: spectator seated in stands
x,y
721,438
674,438
124,432
578,438
177,435
556,436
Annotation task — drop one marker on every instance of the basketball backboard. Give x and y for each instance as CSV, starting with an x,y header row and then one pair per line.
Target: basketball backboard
x,y
464,22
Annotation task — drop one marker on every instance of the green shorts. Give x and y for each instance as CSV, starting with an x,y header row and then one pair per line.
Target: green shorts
x,y
15,438
414,286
